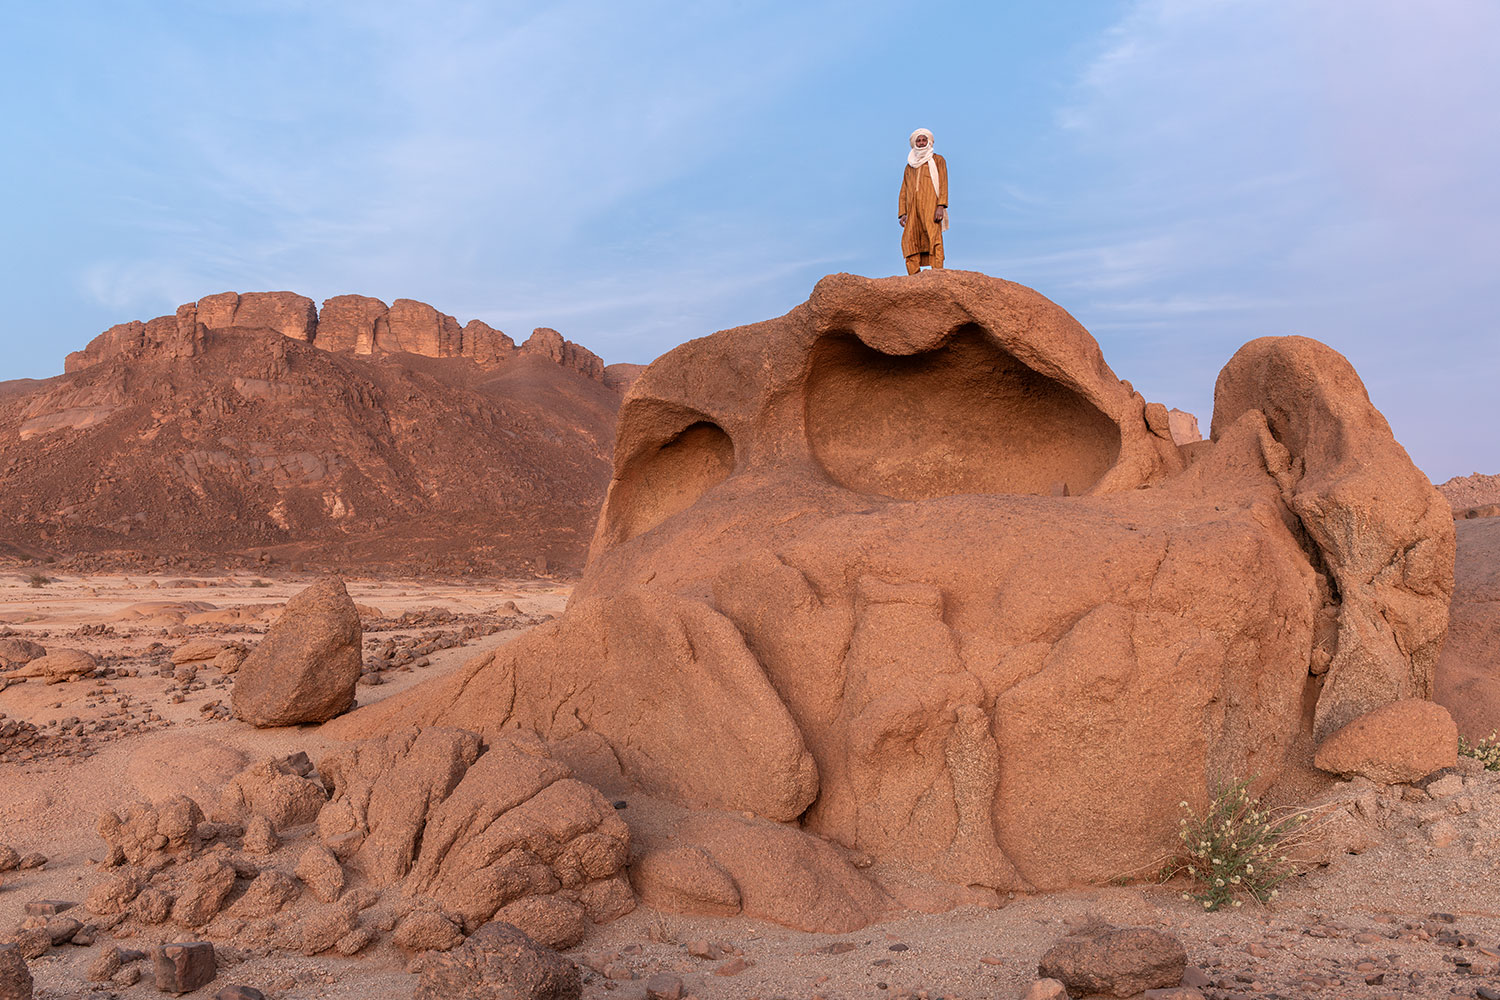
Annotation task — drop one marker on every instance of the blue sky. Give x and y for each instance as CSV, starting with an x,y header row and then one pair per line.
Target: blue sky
x,y
1181,175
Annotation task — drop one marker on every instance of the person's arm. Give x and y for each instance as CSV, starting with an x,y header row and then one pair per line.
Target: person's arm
x,y
901,212
942,209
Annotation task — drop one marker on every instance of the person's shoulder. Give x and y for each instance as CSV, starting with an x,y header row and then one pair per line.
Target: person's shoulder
x,y
939,157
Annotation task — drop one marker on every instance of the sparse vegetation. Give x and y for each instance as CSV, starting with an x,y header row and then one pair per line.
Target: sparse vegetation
x,y
38,580
661,931
1486,751
1238,848
260,583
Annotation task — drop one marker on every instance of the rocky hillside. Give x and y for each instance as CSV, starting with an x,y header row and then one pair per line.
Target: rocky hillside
x,y
251,429
1474,495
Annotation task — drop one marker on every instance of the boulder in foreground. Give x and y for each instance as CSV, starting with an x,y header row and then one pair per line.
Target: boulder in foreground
x,y
15,977
1115,962
498,962
306,667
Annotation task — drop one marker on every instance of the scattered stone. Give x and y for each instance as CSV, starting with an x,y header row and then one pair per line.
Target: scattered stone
x,y
664,986
260,836
202,886
239,993
152,906
32,942
498,962
1047,989
103,968
62,929
267,894
1116,962
35,859
184,966
9,858
321,872
128,976
733,967
47,907
424,930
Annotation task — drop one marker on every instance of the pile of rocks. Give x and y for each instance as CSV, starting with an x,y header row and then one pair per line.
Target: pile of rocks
x,y
426,837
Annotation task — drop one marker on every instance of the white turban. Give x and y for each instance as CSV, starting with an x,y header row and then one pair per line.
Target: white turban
x,y
917,157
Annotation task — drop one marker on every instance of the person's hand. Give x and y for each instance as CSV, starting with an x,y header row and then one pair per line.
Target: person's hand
x,y
941,212
901,219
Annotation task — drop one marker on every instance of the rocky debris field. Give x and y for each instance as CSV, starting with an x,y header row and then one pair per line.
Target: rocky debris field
x,y
70,686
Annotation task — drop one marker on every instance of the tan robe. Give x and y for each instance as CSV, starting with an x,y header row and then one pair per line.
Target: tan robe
x,y
919,203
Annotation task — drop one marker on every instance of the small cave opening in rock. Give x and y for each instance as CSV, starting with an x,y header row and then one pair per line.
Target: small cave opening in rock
x,y
965,417
666,479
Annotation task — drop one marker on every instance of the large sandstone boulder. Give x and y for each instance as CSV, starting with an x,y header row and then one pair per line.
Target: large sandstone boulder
x,y
306,667
911,567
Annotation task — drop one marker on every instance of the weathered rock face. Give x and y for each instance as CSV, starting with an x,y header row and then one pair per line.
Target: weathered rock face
x,y
306,667
1383,535
473,830
1468,672
923,575
287,313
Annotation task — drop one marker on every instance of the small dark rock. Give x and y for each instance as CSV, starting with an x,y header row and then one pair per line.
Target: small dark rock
x,y
239,993
184,966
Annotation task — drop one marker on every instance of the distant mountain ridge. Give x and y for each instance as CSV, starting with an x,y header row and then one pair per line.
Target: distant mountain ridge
x,y
250,427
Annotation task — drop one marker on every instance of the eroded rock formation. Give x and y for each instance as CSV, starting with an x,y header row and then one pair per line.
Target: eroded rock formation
x,y
354,324
911,568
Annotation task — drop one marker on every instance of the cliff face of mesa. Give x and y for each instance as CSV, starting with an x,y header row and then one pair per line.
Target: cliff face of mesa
x,y
251,425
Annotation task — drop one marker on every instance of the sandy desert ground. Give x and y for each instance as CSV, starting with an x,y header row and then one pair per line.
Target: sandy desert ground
x,y
1415,914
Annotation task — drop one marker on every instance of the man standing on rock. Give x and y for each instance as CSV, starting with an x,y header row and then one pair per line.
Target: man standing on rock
x,y
923,207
